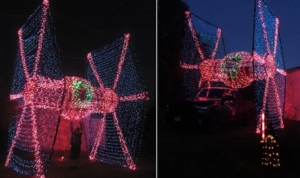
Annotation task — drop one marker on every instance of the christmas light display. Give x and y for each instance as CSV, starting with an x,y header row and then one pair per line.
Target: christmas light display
x,y
37,90
201,41
234,72
270,155
270,146
115,139
270,91
238,70
111,106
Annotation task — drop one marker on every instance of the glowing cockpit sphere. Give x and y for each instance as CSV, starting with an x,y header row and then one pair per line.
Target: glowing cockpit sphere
x,y
81,99
109,101
235,70
238,69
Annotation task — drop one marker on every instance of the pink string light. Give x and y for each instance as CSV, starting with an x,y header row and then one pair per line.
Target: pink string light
x,y
90,59
141,96
38,162
276,36
195,38
8,158
92,155
127,155
188,66
264,26
121,62
22,53
41,37
216,44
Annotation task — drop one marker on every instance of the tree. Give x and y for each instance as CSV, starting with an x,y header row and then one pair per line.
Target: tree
x,y
171,17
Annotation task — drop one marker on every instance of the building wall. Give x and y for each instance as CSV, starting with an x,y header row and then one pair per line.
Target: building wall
x,y
292,98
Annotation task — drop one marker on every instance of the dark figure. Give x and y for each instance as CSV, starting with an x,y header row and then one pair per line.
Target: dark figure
x,y
75,144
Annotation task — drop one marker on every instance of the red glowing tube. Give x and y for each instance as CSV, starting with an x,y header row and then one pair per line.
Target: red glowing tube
x,y
263,125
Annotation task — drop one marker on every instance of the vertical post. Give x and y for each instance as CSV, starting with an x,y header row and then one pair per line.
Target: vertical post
x,y
255,112
284,92
263,125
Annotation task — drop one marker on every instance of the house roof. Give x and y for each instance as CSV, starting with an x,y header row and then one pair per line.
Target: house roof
x,y
292,69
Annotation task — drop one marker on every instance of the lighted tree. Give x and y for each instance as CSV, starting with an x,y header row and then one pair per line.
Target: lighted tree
x,y
170,31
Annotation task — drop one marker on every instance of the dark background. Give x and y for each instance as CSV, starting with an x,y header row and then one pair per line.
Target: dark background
x,y
235,18
170,31
81,27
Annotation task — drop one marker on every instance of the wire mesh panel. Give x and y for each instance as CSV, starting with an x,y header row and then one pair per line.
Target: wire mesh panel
x,y
270,77
114,131
37,91
201,41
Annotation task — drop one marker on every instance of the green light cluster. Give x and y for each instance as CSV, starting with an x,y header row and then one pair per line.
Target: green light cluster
x,y
77,85
233,71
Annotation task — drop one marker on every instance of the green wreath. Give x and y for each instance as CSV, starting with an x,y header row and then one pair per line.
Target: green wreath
x,y
78,86
234,71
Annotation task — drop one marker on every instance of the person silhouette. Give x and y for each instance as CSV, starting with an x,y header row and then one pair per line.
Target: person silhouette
x,y
75,144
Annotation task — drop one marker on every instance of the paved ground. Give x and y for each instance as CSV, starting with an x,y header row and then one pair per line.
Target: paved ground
x,y
60,168
146,165
234,152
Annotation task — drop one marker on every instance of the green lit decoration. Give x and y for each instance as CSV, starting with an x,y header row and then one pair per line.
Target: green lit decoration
x,y
82,92
231,64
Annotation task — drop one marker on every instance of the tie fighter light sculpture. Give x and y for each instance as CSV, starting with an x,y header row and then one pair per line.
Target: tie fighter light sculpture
x,y
117,81
240,69
43,94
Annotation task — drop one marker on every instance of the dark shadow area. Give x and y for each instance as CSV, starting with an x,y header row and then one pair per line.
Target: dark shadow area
x,y
60,167
235,151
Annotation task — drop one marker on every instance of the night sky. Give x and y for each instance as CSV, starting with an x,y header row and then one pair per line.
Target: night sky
x,y
235,18
83,26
